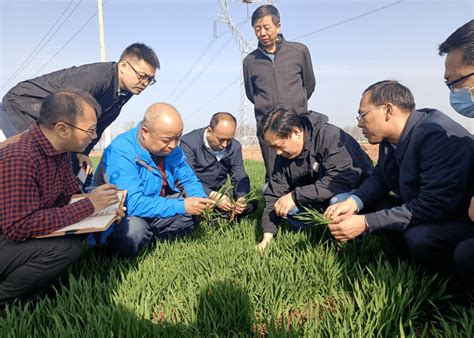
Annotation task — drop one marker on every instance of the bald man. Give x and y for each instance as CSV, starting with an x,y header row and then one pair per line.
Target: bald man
x,y
214,154
164,194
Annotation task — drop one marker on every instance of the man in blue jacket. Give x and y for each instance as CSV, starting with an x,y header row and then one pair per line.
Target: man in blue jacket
x,y
163,193
459,77
426,160
214,154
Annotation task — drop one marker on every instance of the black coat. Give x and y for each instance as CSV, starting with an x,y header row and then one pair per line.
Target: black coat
x,y
212,173
289,79
23,102
431,170
332,162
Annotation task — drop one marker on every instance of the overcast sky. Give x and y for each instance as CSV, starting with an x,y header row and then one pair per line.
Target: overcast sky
x,y
397,42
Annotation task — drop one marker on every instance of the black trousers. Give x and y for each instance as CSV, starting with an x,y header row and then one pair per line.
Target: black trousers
x,y
269,156
29,268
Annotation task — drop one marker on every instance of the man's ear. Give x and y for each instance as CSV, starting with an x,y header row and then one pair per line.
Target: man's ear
x,y
297,132
389,111
61,130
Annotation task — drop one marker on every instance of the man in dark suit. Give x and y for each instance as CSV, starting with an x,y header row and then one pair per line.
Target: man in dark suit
x,y
426,161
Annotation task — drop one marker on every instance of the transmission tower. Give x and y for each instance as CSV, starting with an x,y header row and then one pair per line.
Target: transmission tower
x,y
245,46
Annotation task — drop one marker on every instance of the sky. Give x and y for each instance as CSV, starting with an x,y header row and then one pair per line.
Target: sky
x,y
352,44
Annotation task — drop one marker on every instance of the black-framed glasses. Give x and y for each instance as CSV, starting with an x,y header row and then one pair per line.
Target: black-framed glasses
x,y
360,114
454,82
142,78
89,131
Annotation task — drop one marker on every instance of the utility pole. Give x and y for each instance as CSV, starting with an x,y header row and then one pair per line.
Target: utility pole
x,y
246,118
107,134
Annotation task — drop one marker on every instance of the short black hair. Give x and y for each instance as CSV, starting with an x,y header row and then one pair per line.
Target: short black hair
x,y
217,117
462,38
282,120
142,52
66,106
265,10
391,91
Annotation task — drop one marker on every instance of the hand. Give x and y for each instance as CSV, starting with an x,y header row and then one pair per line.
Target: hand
x,y
346,208
222,201
120,212
240,205
103,196
284,204
348,228
471,210
267,239
85,162
196,205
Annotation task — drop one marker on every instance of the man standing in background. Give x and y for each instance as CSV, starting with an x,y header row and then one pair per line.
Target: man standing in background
x,y
277,72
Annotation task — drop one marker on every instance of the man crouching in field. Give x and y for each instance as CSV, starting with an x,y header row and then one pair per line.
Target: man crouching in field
x,y
426,161
163,192
316,162
36,183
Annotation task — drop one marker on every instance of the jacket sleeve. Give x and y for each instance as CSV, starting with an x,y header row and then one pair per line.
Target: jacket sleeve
x,y
249,90
123,172
308,75
445,165
373,189
240,179
339,174
186,176
277,187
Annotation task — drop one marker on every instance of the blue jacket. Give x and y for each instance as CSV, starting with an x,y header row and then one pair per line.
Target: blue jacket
x,y
430,170
129,166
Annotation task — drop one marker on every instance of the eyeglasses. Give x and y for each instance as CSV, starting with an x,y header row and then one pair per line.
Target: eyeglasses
x,y
142,78
360,115
89,131
453,83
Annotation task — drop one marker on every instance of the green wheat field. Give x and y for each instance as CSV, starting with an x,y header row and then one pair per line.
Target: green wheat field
x,y
215,284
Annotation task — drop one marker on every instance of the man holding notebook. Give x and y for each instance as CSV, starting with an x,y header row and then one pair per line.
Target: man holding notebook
x,y
36,183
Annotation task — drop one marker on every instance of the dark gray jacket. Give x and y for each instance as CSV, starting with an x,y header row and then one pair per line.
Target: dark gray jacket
x,y
212,173
332,162
431,170
23,102
288,80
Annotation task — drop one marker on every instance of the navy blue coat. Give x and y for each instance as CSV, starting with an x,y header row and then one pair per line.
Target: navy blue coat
x,y
431,170
212,173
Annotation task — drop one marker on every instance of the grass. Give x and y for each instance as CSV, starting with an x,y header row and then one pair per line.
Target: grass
x,y
214,283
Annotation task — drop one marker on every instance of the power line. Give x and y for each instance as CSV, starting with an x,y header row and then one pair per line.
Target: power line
x,y
35,50
190,69
348,20
204,68
69,41
215,97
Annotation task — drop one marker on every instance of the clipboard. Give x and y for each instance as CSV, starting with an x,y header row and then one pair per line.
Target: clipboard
x,y
97,222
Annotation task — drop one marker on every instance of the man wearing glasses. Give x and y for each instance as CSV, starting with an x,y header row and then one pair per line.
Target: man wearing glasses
x,y
112,84
36,184
421,187
459,77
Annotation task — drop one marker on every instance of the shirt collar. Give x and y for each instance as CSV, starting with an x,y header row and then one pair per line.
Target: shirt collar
x,y
43,142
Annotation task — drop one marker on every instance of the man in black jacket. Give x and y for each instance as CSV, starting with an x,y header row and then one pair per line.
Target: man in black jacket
x,y
277,72
459,77
112,84
426,160
214,155
316,164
